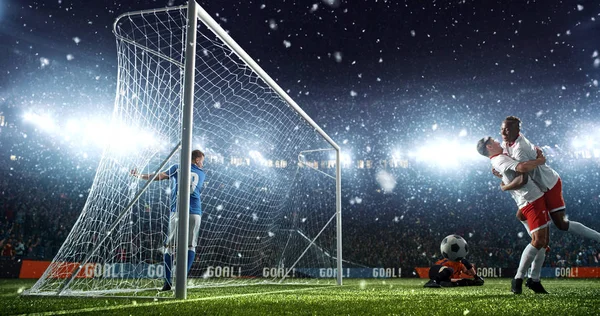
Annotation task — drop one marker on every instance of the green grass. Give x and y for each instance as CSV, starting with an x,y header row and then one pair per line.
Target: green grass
x,y
355,297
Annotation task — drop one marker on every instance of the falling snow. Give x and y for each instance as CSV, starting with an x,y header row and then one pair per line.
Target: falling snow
x,y
406,88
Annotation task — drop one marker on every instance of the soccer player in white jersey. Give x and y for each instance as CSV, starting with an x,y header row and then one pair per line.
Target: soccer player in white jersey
x,y
548,180
197,177
530,201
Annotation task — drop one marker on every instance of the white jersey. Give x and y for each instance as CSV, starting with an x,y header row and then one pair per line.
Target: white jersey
x,y
523,150
507,167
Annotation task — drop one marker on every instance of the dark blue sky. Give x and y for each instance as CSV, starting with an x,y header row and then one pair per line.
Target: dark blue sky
x,y
389,40
373,74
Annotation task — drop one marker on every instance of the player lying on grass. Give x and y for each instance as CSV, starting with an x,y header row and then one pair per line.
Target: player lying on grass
x,y
448,273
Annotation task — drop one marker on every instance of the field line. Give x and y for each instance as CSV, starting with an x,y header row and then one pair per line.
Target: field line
x,y
163,302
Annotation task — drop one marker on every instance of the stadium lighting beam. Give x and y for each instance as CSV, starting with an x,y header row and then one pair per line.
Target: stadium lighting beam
x,y
73,127
44,122
258,157
345,158
445,154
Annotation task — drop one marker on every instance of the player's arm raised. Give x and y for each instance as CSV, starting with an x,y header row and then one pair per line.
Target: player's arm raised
x,y
527,166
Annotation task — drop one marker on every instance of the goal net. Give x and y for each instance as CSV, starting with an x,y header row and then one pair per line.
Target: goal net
x,y
269,199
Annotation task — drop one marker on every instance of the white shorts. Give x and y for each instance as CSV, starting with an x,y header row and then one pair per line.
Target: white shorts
x,y
193,230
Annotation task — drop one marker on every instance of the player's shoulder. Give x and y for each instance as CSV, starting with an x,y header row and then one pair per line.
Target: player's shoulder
x,y
501,158
503,162
522,141
197,169
441,261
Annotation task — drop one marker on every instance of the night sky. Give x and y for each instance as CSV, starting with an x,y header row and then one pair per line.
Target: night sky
x,y
419,81
380,77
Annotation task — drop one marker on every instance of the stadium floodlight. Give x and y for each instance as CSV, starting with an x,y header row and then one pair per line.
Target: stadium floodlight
x,y
257,156
444,154
178,78
43,121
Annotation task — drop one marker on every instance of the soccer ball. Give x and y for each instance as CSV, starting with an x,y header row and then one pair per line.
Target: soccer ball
x,y
454,248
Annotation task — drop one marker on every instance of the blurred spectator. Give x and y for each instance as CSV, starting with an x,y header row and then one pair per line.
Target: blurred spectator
x,y
399,228
19,249
8,249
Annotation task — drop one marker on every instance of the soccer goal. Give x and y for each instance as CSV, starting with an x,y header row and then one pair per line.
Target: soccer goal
x,y
271,200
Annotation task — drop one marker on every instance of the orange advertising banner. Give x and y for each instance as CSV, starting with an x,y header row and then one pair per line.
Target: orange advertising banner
x,y
31,269
573,272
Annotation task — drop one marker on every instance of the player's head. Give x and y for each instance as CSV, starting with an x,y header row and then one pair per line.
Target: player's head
x,y
488,147
198,158
510,129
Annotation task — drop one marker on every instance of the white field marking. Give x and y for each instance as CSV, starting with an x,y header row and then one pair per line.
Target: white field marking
x,y
162,302
8,295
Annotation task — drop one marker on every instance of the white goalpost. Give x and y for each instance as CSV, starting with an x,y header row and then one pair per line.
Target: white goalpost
x,y
272,197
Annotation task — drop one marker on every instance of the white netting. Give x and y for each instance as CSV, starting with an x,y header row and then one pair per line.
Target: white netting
x,y
264,212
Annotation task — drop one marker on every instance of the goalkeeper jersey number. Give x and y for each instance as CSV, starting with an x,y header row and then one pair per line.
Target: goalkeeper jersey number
x,y
197,177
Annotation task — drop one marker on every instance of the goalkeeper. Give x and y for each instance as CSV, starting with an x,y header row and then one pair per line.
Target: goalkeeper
x,y
197,177
448,273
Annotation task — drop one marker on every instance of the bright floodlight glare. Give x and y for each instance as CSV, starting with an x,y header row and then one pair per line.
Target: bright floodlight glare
x,y
44,122
96,133
198,143
28,116
257,156
146,139
73,126
590,143
123,138
345,158
583,142
444,154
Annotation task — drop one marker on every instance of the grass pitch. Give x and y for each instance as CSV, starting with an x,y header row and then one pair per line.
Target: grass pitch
x,y
355,297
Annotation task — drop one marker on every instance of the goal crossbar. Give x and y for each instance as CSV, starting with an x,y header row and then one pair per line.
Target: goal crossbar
x,y
222,34
259,178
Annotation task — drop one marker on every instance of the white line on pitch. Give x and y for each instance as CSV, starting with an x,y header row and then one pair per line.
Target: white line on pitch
x,y
97,309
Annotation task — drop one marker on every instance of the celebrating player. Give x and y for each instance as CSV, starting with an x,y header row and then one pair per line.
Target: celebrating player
x,y
531,203
520,148
197,176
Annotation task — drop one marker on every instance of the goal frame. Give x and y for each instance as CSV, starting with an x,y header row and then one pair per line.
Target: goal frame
x,y
194,13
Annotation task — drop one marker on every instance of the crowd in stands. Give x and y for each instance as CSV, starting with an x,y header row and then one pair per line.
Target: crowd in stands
x,y
402,228
37,214
42,191
405,228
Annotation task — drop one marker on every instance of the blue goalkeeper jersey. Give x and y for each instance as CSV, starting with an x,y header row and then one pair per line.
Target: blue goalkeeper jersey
x,y
197,177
